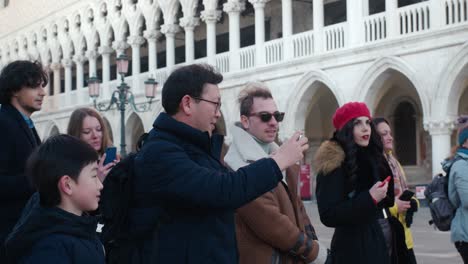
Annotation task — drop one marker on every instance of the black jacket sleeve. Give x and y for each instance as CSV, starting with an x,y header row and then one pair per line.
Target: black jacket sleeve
x,y
176,179
335,208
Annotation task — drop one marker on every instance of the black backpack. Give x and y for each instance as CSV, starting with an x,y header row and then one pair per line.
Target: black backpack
x,y
442,211
116,197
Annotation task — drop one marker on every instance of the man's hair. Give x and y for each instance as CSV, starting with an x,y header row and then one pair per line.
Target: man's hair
x,y
75,126
60,155
252,90
187,80
19,74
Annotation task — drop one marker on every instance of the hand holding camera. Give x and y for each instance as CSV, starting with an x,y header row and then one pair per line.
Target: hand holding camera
x,y
291,151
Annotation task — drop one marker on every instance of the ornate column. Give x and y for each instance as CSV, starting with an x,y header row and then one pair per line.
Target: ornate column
x,y
210,17
170,30
79,60
135,42
286,8
440,132
47,71
152,36
105,52
318,20
355,15
259,6
391,7
234,8
92,56
67,64
55,66
189,24
437,11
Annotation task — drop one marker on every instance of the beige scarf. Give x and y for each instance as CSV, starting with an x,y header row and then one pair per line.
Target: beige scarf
x,y
398,174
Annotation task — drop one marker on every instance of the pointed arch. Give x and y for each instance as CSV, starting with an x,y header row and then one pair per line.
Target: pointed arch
x,y
301,97
51,129
451,84
376,75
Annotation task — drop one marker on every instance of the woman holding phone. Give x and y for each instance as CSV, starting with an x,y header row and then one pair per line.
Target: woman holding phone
x,y
405,205
88,125
354,191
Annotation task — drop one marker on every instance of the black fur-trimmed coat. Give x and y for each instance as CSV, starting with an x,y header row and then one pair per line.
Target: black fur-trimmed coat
x,y
349,208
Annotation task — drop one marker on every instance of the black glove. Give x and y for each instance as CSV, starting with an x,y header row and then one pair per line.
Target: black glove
x,y
410,212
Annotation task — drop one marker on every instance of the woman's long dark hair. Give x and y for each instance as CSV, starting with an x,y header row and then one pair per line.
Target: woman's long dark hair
x,y
345,138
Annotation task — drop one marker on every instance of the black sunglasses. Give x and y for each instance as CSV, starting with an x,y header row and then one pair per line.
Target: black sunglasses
x,y
266,117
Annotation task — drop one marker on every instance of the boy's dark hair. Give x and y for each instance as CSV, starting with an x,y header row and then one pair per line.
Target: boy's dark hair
x,y
252,90
19,74
58,156
187,80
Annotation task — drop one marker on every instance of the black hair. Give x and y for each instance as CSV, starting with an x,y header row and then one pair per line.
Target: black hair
x,y
379,120
58,156
187,80
345,138
19,74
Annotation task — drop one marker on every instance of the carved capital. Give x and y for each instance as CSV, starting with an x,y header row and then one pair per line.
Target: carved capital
x,y
210,15
189,22
234,6
91,54
120,46
259,3
55,66
67,63
105,50
440,127
152,35
169,29
79,59
135,40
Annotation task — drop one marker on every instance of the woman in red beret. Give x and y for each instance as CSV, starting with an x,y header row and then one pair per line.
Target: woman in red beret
x,y
354,191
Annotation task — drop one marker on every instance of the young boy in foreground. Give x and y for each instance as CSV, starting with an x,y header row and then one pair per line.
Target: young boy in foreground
x,y
54,226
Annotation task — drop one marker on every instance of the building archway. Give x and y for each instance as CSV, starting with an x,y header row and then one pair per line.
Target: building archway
x,y
397,99
133,130
307,92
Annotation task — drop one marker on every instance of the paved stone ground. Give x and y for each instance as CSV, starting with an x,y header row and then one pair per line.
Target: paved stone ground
x,y
431,246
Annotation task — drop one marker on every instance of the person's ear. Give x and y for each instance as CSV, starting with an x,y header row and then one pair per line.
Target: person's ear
x,y
65,184
245,122
186,105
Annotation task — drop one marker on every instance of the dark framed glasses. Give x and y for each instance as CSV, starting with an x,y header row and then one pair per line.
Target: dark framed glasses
x,y
266,117
217,104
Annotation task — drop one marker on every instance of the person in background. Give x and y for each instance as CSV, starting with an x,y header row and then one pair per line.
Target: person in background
x,y
21,94
54,226
355,189
458,189
184,197
273,228
88,125
402,210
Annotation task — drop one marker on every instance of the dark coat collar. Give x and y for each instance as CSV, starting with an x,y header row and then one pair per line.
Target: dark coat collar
x,y
12,112
184,132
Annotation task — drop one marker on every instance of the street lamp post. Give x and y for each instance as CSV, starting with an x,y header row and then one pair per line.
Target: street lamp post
x,y
122,96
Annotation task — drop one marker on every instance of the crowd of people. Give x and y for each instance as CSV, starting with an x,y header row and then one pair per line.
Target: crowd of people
x,y
240,208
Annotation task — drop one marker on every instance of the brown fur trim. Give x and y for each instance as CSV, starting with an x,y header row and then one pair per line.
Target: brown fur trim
x,y
328,157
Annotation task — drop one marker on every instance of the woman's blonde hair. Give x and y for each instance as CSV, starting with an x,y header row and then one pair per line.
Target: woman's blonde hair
x,y
75,126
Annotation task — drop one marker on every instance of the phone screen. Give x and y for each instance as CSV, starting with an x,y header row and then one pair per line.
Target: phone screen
x,y
111,155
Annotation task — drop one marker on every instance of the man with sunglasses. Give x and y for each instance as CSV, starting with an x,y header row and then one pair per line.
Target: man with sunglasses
x,y
184,198
273,228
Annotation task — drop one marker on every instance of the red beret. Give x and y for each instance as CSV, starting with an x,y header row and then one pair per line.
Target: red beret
x,y
349,111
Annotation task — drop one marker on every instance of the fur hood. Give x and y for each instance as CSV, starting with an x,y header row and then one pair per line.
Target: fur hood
x,y
328,157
